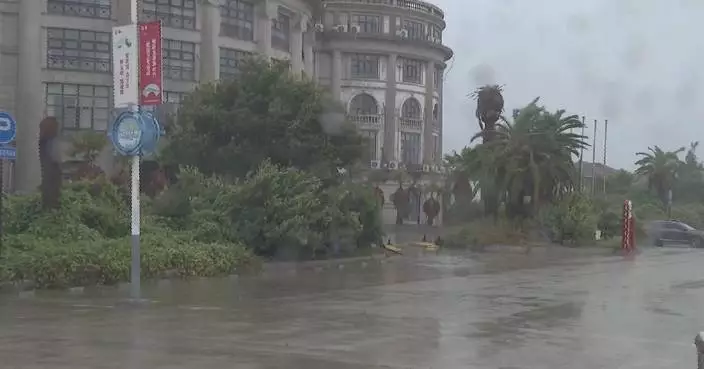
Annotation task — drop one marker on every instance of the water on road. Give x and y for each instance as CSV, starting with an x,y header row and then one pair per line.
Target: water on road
x,y
539,310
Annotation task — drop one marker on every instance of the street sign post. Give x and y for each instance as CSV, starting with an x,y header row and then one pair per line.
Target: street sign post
x,y
137,67
8,131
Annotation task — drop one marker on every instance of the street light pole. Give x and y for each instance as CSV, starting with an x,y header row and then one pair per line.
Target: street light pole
x,y
581,160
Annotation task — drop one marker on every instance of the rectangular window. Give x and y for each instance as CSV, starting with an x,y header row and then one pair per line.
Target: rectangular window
x,y
172,13
367,23
436,34
79,106
412,70
80,8
73,49
237,19
179,60
372,137
416,30
174,97
364,66
281,32
410,148
230,62
436,148
437,77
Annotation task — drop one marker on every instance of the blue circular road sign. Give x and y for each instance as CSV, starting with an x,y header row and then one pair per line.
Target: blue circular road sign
x,y
8,128
135,133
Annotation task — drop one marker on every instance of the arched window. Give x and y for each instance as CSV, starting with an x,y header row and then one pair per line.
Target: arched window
x,y
363,104
436,111
411,109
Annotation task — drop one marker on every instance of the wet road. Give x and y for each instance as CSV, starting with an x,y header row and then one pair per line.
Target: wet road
x,y
434,311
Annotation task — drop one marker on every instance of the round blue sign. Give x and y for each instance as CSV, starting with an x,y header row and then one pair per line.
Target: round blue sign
x,y
8,128
135,133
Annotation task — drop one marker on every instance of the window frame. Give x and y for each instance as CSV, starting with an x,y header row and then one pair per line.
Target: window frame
x,y
171,63
416,30
368,23
237,19
230,62
411,68
410,152
373,136
60,110
281,32
76,8
171,15
410,106
362,66
60,52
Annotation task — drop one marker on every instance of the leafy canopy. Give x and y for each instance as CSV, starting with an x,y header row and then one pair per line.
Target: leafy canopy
x,y
265,112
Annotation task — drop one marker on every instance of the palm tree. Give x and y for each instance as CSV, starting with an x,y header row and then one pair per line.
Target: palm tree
x,y
490,107
532,156
660,168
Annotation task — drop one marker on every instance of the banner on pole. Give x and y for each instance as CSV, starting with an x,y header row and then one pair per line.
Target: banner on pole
x,y
150,64
125,72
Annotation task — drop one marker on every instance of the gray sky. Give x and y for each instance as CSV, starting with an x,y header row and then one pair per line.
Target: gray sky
x,y
635,62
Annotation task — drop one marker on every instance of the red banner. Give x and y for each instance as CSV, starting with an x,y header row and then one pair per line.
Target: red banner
x,y
150,64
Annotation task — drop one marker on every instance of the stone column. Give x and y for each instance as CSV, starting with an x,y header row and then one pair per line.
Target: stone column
x,y
428,114
336,74
209,45
298,26
308,55
440,110
266,10
390,123
29,100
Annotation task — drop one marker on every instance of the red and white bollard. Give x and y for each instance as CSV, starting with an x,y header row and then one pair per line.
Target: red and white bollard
x,y
628,231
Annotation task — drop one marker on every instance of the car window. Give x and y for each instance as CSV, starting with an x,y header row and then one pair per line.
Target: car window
x,y
685,227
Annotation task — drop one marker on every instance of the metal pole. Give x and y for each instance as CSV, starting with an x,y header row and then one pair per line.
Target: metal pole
x,y
2,194
581,160
594,159
136,269
135,282
606,133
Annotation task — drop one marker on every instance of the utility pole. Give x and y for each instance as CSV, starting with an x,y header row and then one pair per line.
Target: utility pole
x,y
594,159
581,160
606,133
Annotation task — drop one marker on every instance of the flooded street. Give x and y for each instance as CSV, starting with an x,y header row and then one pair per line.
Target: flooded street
x,y
511,311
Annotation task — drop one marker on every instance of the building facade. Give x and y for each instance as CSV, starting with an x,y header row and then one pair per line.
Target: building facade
x,y
384,60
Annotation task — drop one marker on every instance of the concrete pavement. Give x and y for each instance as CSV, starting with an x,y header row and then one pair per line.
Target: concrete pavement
x,y
541,311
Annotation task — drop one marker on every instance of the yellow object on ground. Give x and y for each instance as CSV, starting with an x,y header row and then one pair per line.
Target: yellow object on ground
x,y
393,248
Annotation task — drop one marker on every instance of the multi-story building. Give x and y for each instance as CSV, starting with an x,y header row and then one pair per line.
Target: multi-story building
x,y
384,59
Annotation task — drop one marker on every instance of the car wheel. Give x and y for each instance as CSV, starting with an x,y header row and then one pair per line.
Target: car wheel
x,y
658,243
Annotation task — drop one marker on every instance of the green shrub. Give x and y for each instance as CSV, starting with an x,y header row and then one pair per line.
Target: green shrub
x,y
487,232
572,219
50,265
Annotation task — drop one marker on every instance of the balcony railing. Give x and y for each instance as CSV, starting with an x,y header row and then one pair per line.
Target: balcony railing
x,y
411,124
416,5
372,121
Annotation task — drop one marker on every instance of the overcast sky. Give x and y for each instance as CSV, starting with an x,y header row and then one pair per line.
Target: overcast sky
x,y
636,63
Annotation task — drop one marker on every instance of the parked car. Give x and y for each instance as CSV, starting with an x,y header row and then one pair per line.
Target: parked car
x,y
673,231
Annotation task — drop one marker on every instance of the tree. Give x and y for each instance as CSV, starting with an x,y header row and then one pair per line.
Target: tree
x,y
660,168
532,157
50,161
265,112
690,177
490,107
86,147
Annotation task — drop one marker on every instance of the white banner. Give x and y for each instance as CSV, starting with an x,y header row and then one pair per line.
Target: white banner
x,y
125,67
